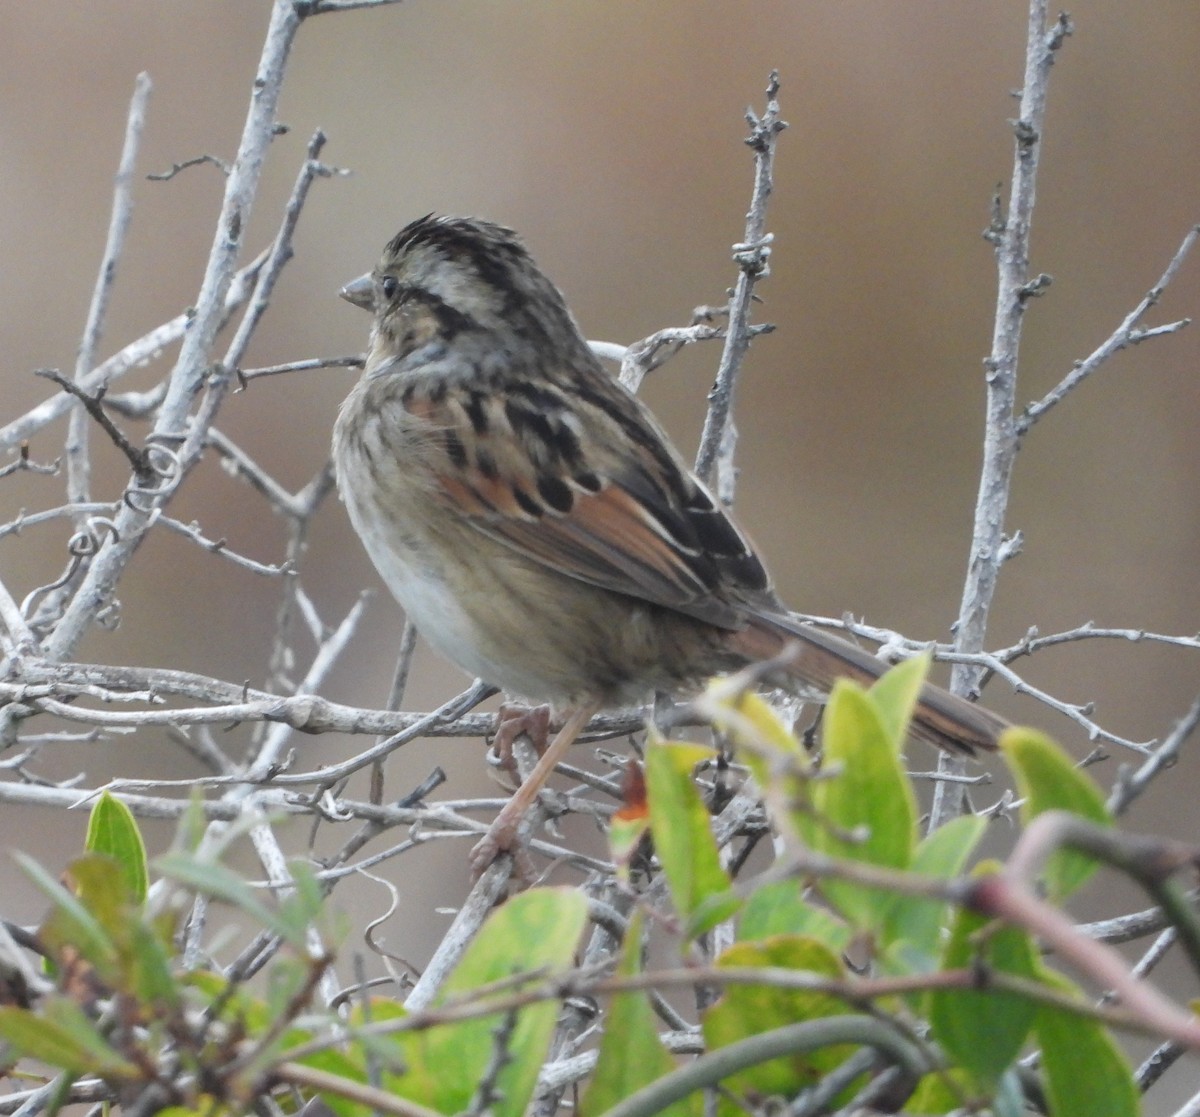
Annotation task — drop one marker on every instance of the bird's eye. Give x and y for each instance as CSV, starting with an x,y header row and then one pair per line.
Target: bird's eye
x,y
389,285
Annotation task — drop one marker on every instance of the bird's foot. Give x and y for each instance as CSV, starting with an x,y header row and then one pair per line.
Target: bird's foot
x,y
513,721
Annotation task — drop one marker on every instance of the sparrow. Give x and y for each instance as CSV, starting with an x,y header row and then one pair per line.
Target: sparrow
x,y
533,518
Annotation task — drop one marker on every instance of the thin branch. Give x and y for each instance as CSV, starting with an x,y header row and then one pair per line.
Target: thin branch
x,y
191,369
1156,1064
232,702
1032,642
221,547
267,757
308,8
370,1097
789,1040
1125,335
90,406
1135,925
751,256
62,511
483,897
23,463
240,464
1129,785
20,638
134,355
895,646
246,375
78,466
1150,861
195,161
1000,444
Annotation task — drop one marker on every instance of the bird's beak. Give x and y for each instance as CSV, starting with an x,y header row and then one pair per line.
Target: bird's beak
x,y
360,292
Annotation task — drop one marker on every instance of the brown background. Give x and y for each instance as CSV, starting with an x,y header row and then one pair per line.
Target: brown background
x,y
610,135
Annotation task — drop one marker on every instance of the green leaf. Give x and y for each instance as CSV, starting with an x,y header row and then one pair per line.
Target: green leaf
x,y
1087,1074
537,933
683,837
631,1054
779,908
112,830
984,1030
209,878
141,965
103,888
748,1010
916,921
150,975
940,1092
70,924
766,746
867,811
1047,779
61,1036
896,693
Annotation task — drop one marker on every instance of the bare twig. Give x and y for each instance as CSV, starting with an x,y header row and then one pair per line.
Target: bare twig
x,y
270,750
195,161
1011,237
23,463
1129,785
643,357
139,460
233,702
1126,334
221,547
191,369
133,355
1033,642
320,7
78,467
751,256
19,636
1135,925
246,375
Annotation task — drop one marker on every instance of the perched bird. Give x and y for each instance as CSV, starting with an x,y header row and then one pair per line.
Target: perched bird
x,y
533,518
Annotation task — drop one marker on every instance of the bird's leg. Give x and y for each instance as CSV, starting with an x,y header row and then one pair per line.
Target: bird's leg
x,y
503,834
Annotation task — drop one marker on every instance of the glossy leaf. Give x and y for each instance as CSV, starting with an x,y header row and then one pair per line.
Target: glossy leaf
x,y
895,695
766,746
779,908
683,838
112,830
631,1054
984,1030
62,1036
748,1010
71,925
940,1092
141,964
1047,779
536,932
867,810
916,922
1086,1072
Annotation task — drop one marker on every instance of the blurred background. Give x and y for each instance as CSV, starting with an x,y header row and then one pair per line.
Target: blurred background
x,y
610,135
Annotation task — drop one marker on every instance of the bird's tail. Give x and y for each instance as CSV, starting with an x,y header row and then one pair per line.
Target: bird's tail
x,y
819,658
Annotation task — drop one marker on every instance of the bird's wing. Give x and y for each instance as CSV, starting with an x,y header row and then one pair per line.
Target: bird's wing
x,y
583,480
